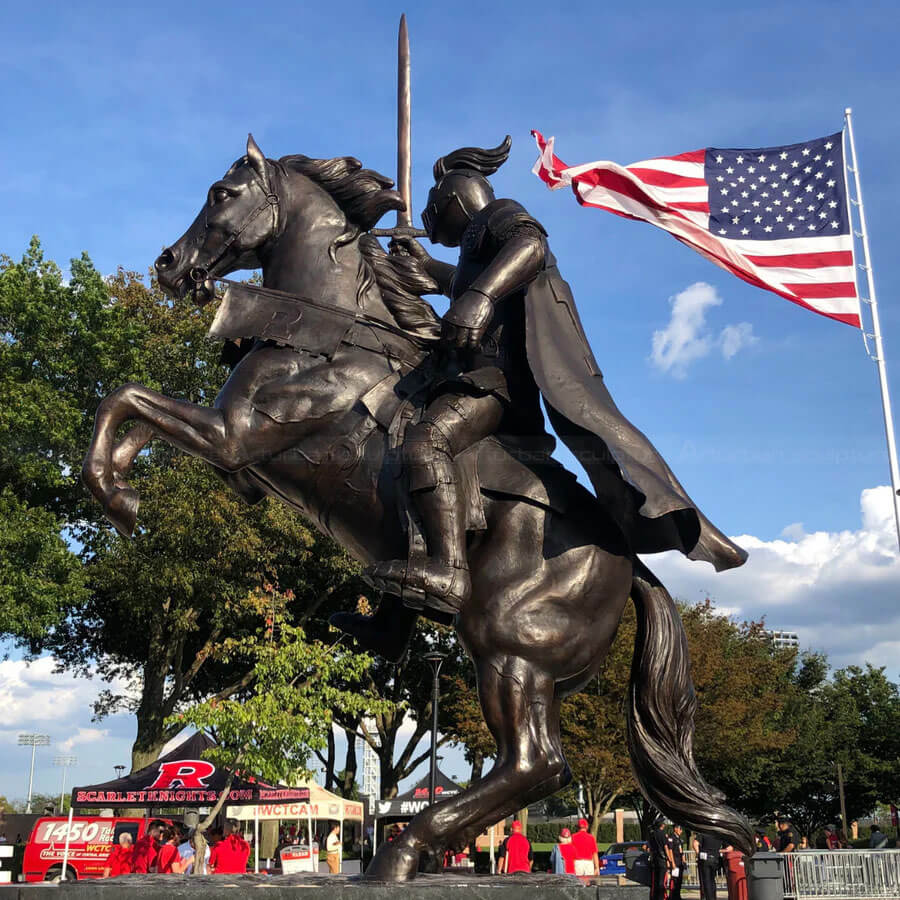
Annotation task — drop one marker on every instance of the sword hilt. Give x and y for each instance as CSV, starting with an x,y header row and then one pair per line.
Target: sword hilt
x,y
399,231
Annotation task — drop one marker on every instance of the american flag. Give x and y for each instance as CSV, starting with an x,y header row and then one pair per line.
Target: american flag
x,y
777,218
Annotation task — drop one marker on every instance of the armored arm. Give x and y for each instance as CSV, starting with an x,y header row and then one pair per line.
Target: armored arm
x,y
517,262
441,272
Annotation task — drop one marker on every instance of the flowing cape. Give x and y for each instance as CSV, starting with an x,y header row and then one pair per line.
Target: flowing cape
x,y
629,476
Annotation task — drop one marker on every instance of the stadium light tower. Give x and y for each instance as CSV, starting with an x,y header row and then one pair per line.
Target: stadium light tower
x,y
34,741
64,762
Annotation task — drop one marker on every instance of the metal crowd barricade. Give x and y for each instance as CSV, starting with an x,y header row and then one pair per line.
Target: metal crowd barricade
x,y
842,874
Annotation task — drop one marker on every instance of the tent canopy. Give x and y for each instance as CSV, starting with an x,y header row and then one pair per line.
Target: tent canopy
x,y
183,778
416,799
322,804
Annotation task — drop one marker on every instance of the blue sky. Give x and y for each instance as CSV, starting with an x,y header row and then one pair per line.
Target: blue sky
x,y
120,115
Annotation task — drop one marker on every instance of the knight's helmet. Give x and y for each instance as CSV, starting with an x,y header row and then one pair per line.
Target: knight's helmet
x,y
461,189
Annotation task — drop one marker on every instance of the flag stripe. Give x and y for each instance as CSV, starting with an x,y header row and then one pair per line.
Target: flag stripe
x,y
661,178
822,291
806,260
672,193
673,166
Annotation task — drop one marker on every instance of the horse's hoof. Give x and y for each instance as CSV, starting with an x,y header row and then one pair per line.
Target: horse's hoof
x,y
122,510
393,864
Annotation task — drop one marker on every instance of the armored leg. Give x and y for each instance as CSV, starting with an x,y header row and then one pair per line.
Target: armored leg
x,y
440,584
451,423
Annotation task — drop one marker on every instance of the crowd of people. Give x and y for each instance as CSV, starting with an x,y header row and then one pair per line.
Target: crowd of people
x,y
575,854
170,848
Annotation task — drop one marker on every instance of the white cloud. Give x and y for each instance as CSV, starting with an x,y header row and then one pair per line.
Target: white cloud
x,y
837,590
84,736
735,337
35,697
688,338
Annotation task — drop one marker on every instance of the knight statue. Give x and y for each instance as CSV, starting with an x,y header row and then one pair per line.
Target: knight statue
x,y
511,335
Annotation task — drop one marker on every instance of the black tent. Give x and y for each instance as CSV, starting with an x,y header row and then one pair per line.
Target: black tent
x,y
183,778
415,800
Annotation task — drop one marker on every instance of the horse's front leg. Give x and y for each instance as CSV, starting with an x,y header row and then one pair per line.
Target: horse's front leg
x,y
200,431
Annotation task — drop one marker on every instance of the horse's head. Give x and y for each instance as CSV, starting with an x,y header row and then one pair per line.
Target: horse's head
x,y
241,215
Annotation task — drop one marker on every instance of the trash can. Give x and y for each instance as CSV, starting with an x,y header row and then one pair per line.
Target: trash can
x,y
637,866
735,875
764,877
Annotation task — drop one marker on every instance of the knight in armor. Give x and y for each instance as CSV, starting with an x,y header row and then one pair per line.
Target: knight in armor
x,y
512,333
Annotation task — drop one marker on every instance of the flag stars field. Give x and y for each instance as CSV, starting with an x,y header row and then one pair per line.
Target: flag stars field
x,y
795,241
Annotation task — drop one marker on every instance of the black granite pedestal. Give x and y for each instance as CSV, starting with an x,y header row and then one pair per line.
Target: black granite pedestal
x,y
318,887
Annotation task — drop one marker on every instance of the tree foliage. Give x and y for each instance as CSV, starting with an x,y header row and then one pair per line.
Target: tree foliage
x,y
853,719
146,613
272,725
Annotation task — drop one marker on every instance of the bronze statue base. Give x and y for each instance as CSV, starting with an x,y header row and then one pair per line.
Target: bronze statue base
x,y
328,887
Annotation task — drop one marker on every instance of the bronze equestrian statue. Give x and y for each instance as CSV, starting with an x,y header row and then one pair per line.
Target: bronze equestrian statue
x,y
419,445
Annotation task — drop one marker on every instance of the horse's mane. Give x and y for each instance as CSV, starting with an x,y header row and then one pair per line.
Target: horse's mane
x,y
364,196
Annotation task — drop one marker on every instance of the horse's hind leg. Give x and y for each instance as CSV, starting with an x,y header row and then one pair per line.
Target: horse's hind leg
x,y
522,712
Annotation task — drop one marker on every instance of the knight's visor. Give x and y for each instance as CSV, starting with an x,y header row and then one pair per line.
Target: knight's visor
x,y
429,215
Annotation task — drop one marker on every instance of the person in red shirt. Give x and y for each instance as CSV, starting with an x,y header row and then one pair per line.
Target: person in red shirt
x,y
168,851
562,859
146,848
587,858
230,855
515,852
119,861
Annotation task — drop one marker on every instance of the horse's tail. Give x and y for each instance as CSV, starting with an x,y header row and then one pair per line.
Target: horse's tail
x,y
660,720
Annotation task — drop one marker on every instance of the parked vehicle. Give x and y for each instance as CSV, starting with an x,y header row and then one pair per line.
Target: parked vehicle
x,y
613,861
90,842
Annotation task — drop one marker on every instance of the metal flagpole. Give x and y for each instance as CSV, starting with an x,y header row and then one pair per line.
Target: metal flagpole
x,y
876,329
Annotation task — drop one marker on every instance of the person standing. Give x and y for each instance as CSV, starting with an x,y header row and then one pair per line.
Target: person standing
x,y
147,847
229,856
878,840
587,857
333,850
562,859
788,839
187,851
121,858
515,852
675,860
708,847
659,861
168,852
762,840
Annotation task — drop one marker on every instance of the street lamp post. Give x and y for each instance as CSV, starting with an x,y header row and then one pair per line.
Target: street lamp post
x,y
119,770
435,660
34,741
64,762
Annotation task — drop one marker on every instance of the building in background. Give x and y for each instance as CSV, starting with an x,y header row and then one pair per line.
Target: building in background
x,y
371,773
785,640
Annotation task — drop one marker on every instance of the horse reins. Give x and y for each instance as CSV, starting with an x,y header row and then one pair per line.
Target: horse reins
x,y
199,274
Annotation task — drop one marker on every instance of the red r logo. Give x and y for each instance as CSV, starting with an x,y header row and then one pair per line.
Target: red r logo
x,y
184,773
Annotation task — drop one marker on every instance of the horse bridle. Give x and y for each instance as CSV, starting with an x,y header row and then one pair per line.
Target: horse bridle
x,y
199,274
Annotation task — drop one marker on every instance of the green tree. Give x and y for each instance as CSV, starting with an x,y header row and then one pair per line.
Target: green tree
x,y
148,612
407,687
40,577
273,724
852,718
737,678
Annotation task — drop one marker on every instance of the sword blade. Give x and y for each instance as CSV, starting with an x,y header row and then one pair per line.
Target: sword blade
x,y
404,140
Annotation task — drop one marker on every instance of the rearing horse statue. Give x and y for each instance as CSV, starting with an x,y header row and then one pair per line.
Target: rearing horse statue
x,y
310,415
